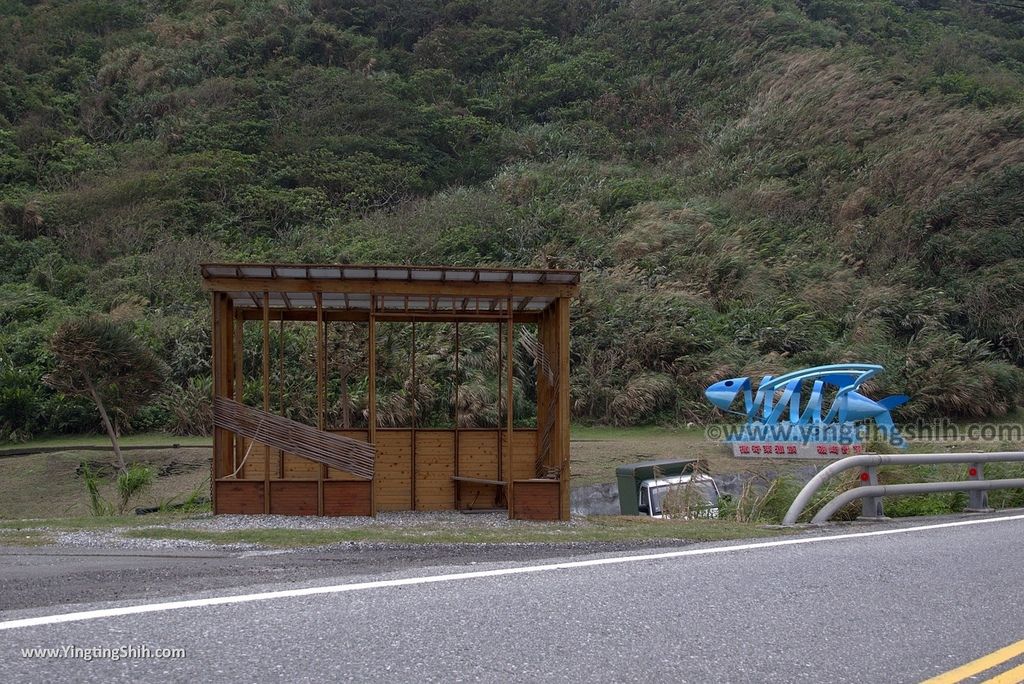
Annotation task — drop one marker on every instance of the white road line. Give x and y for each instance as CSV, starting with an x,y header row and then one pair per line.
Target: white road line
x,y
430,579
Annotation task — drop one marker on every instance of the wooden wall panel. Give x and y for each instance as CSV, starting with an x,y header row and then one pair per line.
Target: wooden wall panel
x,y
536,499
237,496
435,466
295,467
347,498
524,454
334,473
393,472
254,464
478,457
293,498
298,468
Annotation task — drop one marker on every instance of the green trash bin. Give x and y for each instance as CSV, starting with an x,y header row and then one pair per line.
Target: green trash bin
x,y
631,475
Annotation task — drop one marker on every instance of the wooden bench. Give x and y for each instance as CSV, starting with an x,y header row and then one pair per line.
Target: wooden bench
x,y
479,480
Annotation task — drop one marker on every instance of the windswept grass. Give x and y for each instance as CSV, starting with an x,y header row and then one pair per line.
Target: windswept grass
x,y
71,441
103,522
596,529
24,538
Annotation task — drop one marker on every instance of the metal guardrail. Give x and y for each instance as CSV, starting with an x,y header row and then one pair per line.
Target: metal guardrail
x,y
872,492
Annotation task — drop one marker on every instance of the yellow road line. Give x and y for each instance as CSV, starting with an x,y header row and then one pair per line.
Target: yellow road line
x,y
1014,676
981,664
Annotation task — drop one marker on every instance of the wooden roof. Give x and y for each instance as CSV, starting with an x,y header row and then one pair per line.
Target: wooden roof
x,y
409,291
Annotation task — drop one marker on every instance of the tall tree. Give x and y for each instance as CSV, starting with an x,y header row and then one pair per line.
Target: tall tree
x,y
101,359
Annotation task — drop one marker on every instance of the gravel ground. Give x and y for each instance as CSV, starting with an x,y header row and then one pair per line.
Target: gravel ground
x,y
402,519
114,537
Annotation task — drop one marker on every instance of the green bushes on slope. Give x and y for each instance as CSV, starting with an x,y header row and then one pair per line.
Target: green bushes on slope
x,y
748,187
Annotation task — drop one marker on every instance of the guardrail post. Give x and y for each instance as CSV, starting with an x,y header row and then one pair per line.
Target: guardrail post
x,y
978,502
871,506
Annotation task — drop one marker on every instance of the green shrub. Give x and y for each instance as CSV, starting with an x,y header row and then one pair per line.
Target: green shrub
x,y
131,483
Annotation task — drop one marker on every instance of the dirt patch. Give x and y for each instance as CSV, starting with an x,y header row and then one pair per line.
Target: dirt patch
x,y
51,486
594,460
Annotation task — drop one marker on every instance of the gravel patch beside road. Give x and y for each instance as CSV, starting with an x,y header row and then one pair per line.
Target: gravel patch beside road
x,y
401,519
114,538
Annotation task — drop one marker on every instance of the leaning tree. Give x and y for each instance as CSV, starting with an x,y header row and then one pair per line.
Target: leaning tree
x,y
101,359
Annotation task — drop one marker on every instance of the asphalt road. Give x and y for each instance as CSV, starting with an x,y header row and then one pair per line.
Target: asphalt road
x,y
887,608
41,577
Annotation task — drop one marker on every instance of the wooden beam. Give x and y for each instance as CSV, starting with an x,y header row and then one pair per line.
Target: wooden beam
x,y
397,288
397,317
480,480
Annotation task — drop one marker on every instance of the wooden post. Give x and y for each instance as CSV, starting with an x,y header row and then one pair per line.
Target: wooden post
x,y
457,382
509,413
546,394
371,391
266,397
280,387
321,402
497,425
239,354
280,363
562,419
221,367
412,430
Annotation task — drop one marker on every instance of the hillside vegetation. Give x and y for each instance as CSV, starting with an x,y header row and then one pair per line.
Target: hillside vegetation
x,y
748,187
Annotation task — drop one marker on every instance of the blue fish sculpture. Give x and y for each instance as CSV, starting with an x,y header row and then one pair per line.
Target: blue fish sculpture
x,y
848,407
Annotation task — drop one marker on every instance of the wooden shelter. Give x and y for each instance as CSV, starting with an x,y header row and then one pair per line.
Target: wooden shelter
x,y
264,462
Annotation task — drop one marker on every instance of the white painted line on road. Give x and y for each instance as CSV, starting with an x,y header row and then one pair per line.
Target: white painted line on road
x,y
430,579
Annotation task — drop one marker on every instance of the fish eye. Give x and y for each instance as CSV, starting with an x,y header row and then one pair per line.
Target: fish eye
x,y
728,383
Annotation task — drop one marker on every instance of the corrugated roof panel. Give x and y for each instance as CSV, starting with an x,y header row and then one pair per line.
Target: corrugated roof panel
x,y
325,273
460,276
220,271
256,271
526,276
493,276
291,272
422,274
393,273
358,273
419,303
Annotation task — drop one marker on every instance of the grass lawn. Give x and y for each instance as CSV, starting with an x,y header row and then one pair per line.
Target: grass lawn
x,y
28,537
596,451
50,485
92,522
101,440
